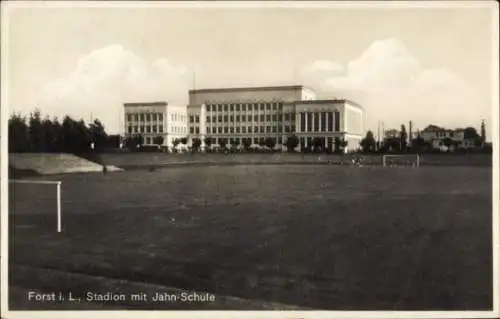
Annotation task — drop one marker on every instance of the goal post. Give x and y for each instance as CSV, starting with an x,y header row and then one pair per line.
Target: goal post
x,y
58,185
401,160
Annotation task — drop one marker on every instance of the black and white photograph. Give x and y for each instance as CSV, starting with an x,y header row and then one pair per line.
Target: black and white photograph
x,y
287,159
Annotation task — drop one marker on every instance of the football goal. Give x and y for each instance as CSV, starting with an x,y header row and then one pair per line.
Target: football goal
x,y
31,195
412,160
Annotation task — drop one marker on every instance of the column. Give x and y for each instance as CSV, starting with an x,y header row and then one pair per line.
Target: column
x,y
305,120
320,121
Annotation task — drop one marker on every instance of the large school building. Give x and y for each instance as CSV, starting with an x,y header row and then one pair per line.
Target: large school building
x,y
255,114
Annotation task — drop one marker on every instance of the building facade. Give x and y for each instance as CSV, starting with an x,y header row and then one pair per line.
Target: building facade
x,y
235,116
153,119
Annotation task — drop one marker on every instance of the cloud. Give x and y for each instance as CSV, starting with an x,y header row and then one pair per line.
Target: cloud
x,y
394,87
107,77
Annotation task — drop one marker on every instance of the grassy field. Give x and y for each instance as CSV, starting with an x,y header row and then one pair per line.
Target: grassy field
x,y
325,237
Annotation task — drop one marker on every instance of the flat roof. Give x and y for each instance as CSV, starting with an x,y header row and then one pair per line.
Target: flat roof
x,y
331,101
258,88
157,103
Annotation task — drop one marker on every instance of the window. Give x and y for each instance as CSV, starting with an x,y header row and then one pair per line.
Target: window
x,y
220,129
197,119
231,107
244,107
287,116
232,129
293,117
220,107
136,116
191,130
154,129
292,128
262,107
160,117
142,129
130,129
237,118
249,129
225,107
262,129
268,129
232,118
256,129
214,130
142,117
330,121
225,129
255,118
237,107
237,129
214,119
191,119
275,106
161,129
323,122
280,129
208,119
148,117
268,117
225,118
129,117
148,129
197,130
303,122
262,117
220,118
244,129
337,121
268,106
287,128
243,118
316,121
155,116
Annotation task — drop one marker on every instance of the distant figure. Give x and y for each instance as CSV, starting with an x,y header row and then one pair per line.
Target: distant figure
x,y
92,146
104,170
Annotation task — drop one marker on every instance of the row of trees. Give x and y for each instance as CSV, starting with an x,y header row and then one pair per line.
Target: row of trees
x,y
37,134
402,143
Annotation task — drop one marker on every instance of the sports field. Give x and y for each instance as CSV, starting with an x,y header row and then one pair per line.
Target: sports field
x,y
325,237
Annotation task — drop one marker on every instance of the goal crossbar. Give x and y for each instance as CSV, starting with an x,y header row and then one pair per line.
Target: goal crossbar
x,y
58,184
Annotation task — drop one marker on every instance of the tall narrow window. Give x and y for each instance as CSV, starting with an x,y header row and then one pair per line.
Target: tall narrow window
x,y
337,121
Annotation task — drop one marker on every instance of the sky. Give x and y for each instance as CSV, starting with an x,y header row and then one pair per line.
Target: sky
x,y
431,65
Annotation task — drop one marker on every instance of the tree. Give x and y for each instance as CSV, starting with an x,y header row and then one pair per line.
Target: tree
x,y
158,140
403,137
292,142
368,144
18,134
337,146
97,134
247,142
317,144
483,133
470,133
418,144
196,144
208,142
447,142
176,142
270,142
223,143
35,137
